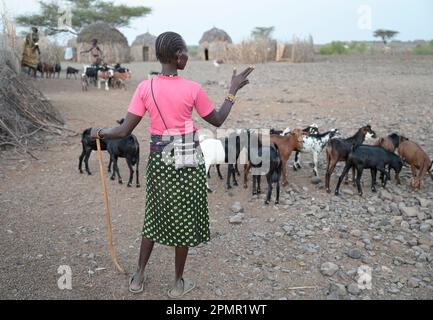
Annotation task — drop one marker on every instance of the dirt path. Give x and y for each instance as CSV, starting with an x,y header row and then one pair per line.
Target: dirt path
x,y
50,215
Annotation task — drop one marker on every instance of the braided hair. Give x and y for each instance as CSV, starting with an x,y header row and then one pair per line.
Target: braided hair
x,y
166,46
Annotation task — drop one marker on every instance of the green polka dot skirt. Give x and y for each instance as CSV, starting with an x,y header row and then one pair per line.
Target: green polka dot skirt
x,y
177,211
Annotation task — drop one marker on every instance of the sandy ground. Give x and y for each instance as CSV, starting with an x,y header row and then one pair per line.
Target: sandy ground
x,y
50,215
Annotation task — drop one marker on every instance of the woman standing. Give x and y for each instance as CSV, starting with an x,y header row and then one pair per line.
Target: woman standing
x,y
176,199
31,51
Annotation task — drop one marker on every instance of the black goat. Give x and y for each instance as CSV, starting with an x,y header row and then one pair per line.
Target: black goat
x,y
273,174
374,158
127,148
71,71
89,145
338,149
57,69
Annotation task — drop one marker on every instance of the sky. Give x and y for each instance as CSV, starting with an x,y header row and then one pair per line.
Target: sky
x,y
325,20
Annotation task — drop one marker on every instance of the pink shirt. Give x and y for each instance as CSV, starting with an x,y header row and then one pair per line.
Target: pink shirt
x,y
176,98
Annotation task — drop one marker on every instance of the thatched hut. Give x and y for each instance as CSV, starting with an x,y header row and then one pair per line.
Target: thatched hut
x,y
111,41
143,48
213,44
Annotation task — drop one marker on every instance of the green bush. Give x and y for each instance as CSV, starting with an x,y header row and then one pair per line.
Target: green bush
x,y
426,49
336,47
339,47
358,47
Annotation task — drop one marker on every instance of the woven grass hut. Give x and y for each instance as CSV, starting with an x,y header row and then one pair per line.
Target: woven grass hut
x,y
143,48
111,41
213,44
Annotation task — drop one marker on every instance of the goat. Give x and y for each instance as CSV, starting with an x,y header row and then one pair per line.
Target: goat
x,y
413,154
89,145
314,143
48,70
127,147
217,152
390,143
71,71
273,174
92,73
57,69
105,74
338,149
84,82
286,145
374,158
213,153
119,79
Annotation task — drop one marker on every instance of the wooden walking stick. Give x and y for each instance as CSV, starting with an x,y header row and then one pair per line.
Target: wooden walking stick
x,y
107,210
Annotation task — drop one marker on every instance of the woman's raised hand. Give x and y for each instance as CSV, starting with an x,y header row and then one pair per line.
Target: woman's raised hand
x,y
240,80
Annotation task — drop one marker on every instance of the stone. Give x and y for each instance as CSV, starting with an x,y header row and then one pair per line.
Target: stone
x,y
236,219
413,282
328,269
424,227
288,229
409,211
385,195
424,202
405,225
339,288
354,253
315,180
421,216
348,192
356,233
237,207
371,210
353,288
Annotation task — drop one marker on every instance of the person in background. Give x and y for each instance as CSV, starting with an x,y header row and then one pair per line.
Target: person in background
x,y
31,51
95,53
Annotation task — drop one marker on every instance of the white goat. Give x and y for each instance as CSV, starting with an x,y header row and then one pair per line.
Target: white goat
x,y
213,153
314,144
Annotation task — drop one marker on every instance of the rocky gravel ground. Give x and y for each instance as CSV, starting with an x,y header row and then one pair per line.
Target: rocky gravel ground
x,y
313,245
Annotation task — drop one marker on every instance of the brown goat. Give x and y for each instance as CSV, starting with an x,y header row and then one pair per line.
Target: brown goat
x,y
386,144
389,143
48,69
413,154
286,145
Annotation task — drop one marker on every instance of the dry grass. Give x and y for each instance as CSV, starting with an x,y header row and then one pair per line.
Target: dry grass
x,y
251,52
9,48
302,50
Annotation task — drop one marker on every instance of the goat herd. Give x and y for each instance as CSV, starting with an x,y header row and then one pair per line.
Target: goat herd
x,y
358,156
112,76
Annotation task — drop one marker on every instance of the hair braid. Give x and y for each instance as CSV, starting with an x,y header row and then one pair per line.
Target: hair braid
x,y
166,46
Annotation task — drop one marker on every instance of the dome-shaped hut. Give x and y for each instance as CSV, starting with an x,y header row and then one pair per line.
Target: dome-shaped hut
x,y
213,44
111,41
143,48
